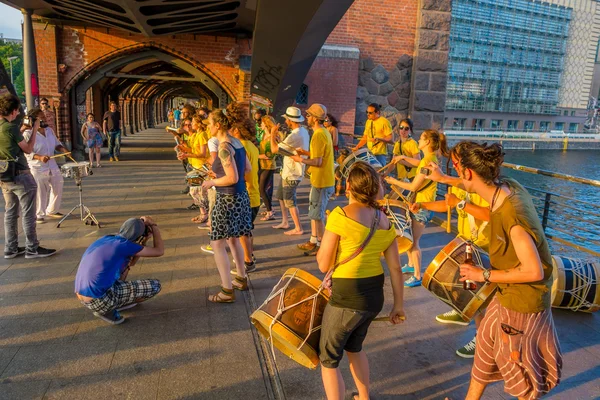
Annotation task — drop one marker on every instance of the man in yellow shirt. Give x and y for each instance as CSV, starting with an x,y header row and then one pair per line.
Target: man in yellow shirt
x,y
378,133
322,175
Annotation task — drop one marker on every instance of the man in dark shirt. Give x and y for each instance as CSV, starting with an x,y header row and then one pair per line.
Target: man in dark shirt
x,y
18,186
112,130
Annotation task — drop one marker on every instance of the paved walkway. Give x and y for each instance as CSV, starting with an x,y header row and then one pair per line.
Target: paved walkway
x,y
179,346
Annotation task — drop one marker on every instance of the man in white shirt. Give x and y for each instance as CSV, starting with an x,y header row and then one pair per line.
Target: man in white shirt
x,y
44,169
292,171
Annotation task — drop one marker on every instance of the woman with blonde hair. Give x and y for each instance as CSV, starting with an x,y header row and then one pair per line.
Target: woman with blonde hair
x,y
430,143
231,216
354,238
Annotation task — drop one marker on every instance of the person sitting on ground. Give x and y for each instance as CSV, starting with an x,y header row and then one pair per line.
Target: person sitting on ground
x,y
100,283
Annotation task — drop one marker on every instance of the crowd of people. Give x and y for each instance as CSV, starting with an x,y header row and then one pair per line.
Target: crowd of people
x,y
230,160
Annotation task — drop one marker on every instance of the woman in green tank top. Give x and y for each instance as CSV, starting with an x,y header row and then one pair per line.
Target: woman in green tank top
x,y
517,342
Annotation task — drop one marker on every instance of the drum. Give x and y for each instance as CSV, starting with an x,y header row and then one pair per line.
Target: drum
x,y
75,170
442,279
363,155
576,284
290,317
196,176
399,215
286,150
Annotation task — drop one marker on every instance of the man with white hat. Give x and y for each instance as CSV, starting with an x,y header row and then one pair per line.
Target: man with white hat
x,y
100,282
292,171
322,175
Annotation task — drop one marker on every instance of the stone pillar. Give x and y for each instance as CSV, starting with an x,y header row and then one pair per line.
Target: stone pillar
x,y
32,89
430,70
125,115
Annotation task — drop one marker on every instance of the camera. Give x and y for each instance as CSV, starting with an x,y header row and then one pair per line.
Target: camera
x,y
43,124
29,121
426,171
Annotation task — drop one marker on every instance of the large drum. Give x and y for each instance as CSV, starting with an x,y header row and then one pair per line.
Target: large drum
x,y
75,170
362,155
399,215
290,317
442,279
576,284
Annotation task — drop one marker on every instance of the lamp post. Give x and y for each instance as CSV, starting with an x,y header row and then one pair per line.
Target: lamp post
x,y
10,60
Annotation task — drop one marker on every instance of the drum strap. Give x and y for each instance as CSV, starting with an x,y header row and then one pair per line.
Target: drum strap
x,y
474,231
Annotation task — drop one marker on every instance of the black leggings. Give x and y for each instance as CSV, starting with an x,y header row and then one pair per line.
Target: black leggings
x,y
265,186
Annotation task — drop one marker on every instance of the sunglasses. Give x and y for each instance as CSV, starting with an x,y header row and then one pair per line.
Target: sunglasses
x,y
404,128
509,330
371,112
44,104
327,120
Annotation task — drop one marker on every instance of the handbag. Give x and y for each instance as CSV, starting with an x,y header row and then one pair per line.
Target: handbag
x,y
327,280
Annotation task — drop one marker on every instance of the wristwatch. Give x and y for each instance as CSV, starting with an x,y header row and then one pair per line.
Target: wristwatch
x,y
486,275
461,205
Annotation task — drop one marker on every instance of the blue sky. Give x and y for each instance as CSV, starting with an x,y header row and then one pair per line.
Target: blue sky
x,y
10,23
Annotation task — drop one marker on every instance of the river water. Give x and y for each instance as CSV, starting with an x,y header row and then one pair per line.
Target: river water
x,y
570,215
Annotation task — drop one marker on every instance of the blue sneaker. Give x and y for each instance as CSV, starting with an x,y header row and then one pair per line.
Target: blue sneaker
x,y
408,269
412,282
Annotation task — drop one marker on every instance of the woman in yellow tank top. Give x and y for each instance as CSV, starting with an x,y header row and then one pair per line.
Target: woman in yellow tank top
x,y
431,143
357,284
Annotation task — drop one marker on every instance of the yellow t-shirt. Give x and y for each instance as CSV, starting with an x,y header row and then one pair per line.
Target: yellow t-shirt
x,y
464,224
321,146
380,128
427,194
352,236
195,142
410,148
251,177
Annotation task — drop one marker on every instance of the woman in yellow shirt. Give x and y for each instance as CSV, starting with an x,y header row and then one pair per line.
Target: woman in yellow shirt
x,y
357,284
406,146
430,143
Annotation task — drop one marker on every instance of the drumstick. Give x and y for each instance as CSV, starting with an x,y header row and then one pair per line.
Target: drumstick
x,y
61,155
386,319
384,167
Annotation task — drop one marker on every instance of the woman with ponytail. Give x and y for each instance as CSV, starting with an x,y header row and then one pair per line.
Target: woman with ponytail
x,y
357,282
231,217
516,340
430,143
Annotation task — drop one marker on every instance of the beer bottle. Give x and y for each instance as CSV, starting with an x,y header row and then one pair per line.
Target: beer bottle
x,y
469,285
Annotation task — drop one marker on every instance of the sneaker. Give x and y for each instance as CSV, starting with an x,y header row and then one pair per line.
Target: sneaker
x,y
193,207
127,306
451,317
408,269
412,282
116,158
313,251
112,317
111,159
207,249
39,220
13,254
308,246
56,215
468,350
41,252
250,267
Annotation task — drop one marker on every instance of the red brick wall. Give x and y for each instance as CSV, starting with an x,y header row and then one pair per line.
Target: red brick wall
x,y
332,82
383,30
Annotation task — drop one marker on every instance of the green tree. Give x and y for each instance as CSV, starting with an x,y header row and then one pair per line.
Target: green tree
x,y
11,50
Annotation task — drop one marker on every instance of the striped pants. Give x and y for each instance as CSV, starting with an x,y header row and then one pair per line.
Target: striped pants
x,y
520,349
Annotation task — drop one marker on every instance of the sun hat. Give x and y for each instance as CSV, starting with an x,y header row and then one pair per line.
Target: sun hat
x,y
319,111
293,114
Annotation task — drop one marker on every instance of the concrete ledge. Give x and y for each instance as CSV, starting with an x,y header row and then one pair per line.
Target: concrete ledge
x,y
337,51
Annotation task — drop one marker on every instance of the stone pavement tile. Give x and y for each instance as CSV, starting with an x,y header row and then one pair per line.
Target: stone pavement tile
x,y
24,306
23,390
38,330
12,287
43,286
65,304
131,386
94,330
228,317
233,348
37,270
6,355
55,361
144,356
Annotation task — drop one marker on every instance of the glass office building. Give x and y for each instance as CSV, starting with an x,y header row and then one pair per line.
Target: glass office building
x,y
506,56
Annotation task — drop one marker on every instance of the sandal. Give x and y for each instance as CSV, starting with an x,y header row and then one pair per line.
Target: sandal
x,y
270,215
200,219
224,296
240,283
